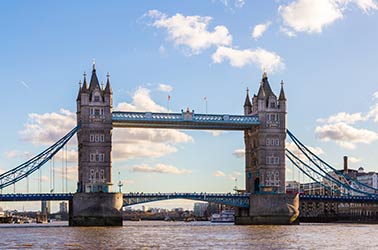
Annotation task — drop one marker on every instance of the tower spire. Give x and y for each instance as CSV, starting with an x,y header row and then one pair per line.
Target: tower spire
x,y
108,89
84,86
282,96
247,102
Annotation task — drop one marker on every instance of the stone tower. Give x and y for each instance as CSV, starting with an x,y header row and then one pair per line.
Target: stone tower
x,y
265,162
265,144
94,114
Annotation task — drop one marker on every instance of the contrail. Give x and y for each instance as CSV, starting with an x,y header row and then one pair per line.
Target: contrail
x,y
24,84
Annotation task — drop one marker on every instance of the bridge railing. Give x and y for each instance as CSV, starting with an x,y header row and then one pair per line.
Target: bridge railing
x,y
183,120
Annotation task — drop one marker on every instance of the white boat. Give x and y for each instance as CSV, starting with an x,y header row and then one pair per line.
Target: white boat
x,y
226,216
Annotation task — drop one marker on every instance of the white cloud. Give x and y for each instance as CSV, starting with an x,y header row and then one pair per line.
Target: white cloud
x,y
297,152
71,172
141,101
162,49
137,142
165,87
160,168
17,154
260,29
219,173
239,153
312,16
46,129
353,159
367,5
338,127
344,117
231,3
234,175
265,60
191,31
216,132
345,135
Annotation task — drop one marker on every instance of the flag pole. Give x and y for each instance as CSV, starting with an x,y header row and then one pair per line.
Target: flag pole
x,y
205,98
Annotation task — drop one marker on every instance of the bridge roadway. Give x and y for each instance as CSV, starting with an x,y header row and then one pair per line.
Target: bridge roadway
x,y
183,120
232,199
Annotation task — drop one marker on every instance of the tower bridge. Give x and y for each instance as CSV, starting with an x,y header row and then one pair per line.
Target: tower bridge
x,y
263,123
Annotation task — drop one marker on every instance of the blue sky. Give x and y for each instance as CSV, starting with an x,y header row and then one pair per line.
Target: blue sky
x,y
325,52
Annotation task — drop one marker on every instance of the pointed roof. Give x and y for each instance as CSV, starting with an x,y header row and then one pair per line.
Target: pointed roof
x,y
247,102
94,81
282,93
261,93
266,86
84,88
108,88
79,93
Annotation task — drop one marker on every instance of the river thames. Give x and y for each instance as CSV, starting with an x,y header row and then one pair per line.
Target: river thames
x,y
192,235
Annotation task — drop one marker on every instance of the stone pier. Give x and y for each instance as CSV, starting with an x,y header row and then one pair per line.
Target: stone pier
x,y
270,209
96,209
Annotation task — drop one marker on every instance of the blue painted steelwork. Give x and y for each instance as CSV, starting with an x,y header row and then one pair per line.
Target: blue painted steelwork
x,y
327,167
348,183
310,172
184,120
236,200
25,169
36,197
346,199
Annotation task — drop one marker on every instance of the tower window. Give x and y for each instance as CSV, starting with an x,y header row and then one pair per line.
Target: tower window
x,y
96,98
272,160
97,157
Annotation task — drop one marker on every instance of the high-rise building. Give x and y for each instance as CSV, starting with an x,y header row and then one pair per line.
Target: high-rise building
x,y
63,207
200,208
45,207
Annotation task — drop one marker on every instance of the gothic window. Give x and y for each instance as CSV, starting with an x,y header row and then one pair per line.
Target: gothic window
x,y
267,141
272,178
97,137
277,142
97,157
272,104
92,175
102,176
96,98
272,160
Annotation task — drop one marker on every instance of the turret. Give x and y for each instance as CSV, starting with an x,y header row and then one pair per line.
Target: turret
x,y
247,104
282,98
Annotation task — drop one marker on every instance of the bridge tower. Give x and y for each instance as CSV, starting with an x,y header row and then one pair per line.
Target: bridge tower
x,y
265,160
94,114
94,204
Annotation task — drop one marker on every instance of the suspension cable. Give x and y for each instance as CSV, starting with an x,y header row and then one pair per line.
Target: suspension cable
x,y
302,147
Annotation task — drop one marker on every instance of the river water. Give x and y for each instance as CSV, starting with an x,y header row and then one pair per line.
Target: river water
x,y
191,235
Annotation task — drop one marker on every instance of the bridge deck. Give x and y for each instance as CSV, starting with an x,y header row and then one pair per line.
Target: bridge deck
x,y
237,200
184,120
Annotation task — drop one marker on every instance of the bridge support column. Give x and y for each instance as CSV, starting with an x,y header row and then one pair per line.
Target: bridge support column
x,y
96,209
270,209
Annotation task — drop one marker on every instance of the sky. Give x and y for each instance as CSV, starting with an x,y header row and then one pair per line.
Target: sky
x,y
201,53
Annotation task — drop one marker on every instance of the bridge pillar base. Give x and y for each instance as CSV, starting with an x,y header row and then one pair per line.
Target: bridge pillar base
x,y
96,209
270,209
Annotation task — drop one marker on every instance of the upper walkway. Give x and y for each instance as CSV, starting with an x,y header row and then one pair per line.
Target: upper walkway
x,y
184,120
